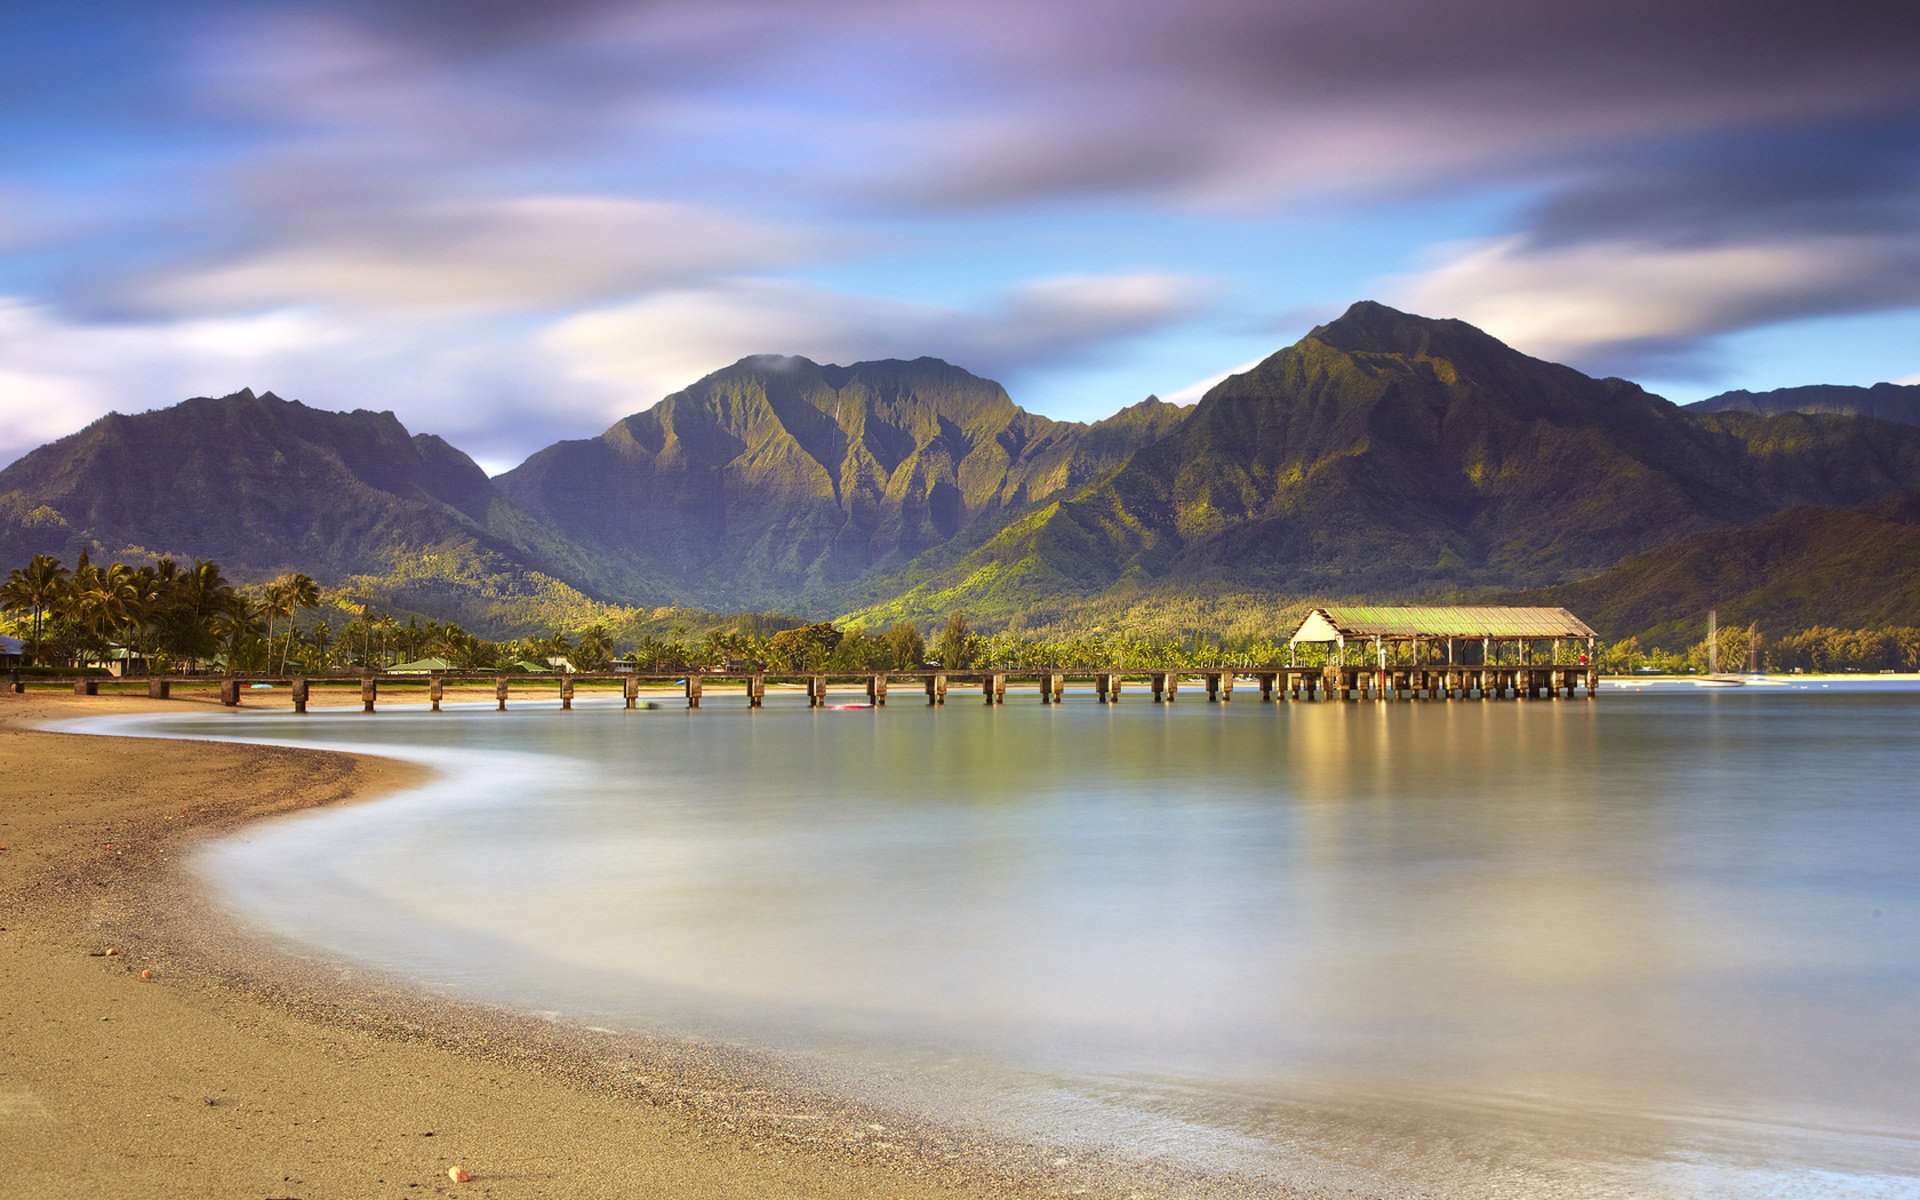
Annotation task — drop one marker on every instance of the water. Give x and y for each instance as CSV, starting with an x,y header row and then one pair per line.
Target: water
x,y
1663,944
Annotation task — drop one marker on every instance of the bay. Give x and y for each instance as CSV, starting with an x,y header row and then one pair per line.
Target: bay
x,y
1664,943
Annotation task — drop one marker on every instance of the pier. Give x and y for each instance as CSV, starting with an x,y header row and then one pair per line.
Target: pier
x,y
1404,654
1271,685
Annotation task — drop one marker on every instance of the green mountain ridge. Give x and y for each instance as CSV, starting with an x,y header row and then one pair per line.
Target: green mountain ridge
x,y
1883,401
1384,456
264,485
779,481
1792,570
1393,455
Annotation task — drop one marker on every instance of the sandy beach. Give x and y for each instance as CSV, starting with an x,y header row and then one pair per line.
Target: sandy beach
x,y
241,1069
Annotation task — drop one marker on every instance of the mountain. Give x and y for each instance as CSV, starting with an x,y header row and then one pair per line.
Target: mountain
x,y
1882,401
778,480
1387,454
1804,567
262,484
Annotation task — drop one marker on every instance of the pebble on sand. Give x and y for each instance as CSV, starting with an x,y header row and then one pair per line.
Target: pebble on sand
x,y
458,1174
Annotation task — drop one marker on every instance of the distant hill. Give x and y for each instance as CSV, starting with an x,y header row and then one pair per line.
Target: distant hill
x,y
1883,401
1387,454
1804,567
778,480
262,484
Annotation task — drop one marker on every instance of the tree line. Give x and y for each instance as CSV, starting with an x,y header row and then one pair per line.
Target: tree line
x,y
192,617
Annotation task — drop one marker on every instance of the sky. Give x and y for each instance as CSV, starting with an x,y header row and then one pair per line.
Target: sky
x,y
511,222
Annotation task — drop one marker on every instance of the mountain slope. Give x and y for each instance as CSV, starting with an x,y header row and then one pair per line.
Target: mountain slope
x,y
262,484
779,479
1391,455
1882,401
1796,569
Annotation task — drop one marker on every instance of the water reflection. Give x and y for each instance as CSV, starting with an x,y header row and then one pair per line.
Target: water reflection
x,y
1617,948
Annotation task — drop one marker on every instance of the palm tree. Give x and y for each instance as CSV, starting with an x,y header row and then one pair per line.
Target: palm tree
x,y
387,623
283,597
103,602
36,587
322,635
237,627
203,594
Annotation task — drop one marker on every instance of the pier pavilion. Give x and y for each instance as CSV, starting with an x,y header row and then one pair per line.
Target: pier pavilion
x,y
1443,649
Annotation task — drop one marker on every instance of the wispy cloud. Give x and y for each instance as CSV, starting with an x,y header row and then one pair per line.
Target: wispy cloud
x,y
657,345
524,254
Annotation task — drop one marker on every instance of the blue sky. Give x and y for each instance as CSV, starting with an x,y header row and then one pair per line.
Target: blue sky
x,y
511,223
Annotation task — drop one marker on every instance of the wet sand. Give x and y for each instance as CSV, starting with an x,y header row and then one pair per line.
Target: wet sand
x,y
243,1068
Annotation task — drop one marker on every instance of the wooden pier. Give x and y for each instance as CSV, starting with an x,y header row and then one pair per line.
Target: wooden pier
x,y
1406,654
932,686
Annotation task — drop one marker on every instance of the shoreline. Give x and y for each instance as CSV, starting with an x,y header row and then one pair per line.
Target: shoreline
x,y
361,1057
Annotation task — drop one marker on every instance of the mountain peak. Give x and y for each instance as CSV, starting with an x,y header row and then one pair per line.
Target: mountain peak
x,y
1371,327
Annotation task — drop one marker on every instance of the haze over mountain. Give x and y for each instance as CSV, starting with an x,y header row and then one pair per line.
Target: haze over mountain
x,y
1883,401
775,480
1383,455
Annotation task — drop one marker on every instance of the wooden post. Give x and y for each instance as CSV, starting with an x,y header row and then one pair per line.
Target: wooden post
x,y
86,687
500,686
816,690
436,691
159,689
630,689
1052,685
937,688
756,690
369,693
301,691
999,689
877,689
693,689
1173,685
566,693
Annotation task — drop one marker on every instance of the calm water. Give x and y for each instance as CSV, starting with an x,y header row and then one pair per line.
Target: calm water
x,y
1663,944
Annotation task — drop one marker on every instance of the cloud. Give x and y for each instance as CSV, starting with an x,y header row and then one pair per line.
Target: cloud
x,y
487,393
658,345
1247,101
499,394
523,254
1192,393
1623,305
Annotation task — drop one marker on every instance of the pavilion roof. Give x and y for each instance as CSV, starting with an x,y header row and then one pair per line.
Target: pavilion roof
x,y
1444,621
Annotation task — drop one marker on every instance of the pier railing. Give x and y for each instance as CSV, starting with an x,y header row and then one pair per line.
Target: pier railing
x,y
1107,685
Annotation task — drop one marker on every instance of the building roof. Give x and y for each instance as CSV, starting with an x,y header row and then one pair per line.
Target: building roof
x,y
1358,623
422,666
12,647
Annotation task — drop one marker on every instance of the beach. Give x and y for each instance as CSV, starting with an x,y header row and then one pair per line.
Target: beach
x,y
242,1069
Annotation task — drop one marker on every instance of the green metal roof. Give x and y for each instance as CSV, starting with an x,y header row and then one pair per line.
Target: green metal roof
x,y
1442,621
423,666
